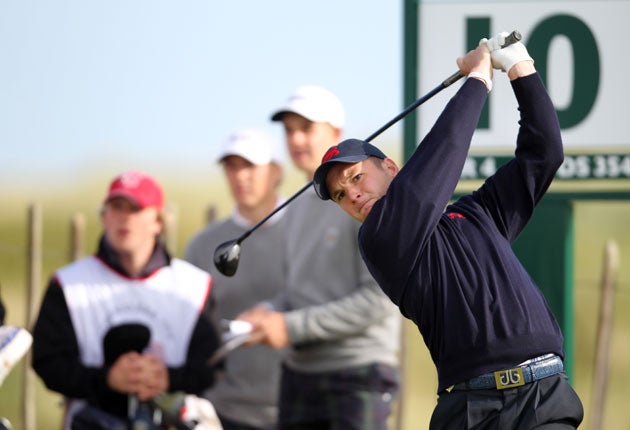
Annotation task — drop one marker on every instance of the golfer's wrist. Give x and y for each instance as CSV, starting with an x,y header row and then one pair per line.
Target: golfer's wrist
x,y
486,79
520,69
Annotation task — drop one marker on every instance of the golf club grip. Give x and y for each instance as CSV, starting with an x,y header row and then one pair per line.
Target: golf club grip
x,y
510,39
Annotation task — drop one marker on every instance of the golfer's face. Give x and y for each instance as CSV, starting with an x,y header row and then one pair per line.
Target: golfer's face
x,y
356,187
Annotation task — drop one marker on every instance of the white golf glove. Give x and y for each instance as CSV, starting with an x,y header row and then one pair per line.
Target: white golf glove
x,y
505,58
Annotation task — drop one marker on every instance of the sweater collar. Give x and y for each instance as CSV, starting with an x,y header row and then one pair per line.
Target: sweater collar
x,y
159,258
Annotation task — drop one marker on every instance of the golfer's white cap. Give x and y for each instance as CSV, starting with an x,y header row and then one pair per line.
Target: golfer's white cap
x,y
314,103
255,146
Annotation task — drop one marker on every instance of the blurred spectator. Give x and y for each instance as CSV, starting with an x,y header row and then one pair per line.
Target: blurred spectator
x,y
245,396
343,332
129,323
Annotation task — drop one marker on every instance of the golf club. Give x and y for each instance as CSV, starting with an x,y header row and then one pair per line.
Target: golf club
x,y
227,254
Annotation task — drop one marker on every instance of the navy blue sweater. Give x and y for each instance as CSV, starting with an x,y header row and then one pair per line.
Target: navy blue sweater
x,y
453,271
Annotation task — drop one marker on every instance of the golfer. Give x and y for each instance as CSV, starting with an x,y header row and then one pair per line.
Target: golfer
x,y
494,341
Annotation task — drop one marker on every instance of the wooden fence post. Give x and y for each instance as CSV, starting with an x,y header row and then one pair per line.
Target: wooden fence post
x,y
402,366
169,232
604,331
77,236
34,269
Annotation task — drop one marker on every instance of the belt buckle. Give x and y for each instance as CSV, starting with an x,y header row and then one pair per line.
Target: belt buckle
x,y
509,378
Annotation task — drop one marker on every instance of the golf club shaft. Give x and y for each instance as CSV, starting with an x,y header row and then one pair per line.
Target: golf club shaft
x,y
513,37
272,213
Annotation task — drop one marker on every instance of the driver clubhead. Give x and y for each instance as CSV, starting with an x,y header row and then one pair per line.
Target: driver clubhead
x,y
226,257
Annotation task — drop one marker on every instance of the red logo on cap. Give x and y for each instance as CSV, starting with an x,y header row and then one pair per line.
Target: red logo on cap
x,y
331,153
138,187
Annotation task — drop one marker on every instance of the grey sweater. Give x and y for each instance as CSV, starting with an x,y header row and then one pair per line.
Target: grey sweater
x,y
336,314
247,390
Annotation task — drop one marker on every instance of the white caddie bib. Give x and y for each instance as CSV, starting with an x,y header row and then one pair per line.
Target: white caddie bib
x,y
168,302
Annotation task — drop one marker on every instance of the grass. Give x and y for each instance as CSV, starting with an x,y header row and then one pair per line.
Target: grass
x,y
595,222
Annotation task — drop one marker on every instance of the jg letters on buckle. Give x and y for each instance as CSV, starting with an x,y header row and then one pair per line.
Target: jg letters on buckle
x,y
509,378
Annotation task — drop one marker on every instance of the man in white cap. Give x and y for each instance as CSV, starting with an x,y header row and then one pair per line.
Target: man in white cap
x,y
343,332
245,397
119,328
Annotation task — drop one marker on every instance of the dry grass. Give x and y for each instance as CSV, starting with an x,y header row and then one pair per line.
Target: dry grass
x,y
595,222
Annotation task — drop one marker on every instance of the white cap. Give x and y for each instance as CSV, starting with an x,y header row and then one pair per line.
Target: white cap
x,y
316,104
253,145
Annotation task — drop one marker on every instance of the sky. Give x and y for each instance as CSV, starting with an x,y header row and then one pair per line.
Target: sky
x,y
157,85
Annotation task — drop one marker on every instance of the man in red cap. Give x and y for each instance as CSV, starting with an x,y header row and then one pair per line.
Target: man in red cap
x,y
120,327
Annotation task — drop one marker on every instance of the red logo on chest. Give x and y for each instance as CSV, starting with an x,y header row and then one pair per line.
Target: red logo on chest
x,y
453,215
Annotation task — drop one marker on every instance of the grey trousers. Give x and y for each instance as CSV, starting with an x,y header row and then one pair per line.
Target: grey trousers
x,y
549,403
